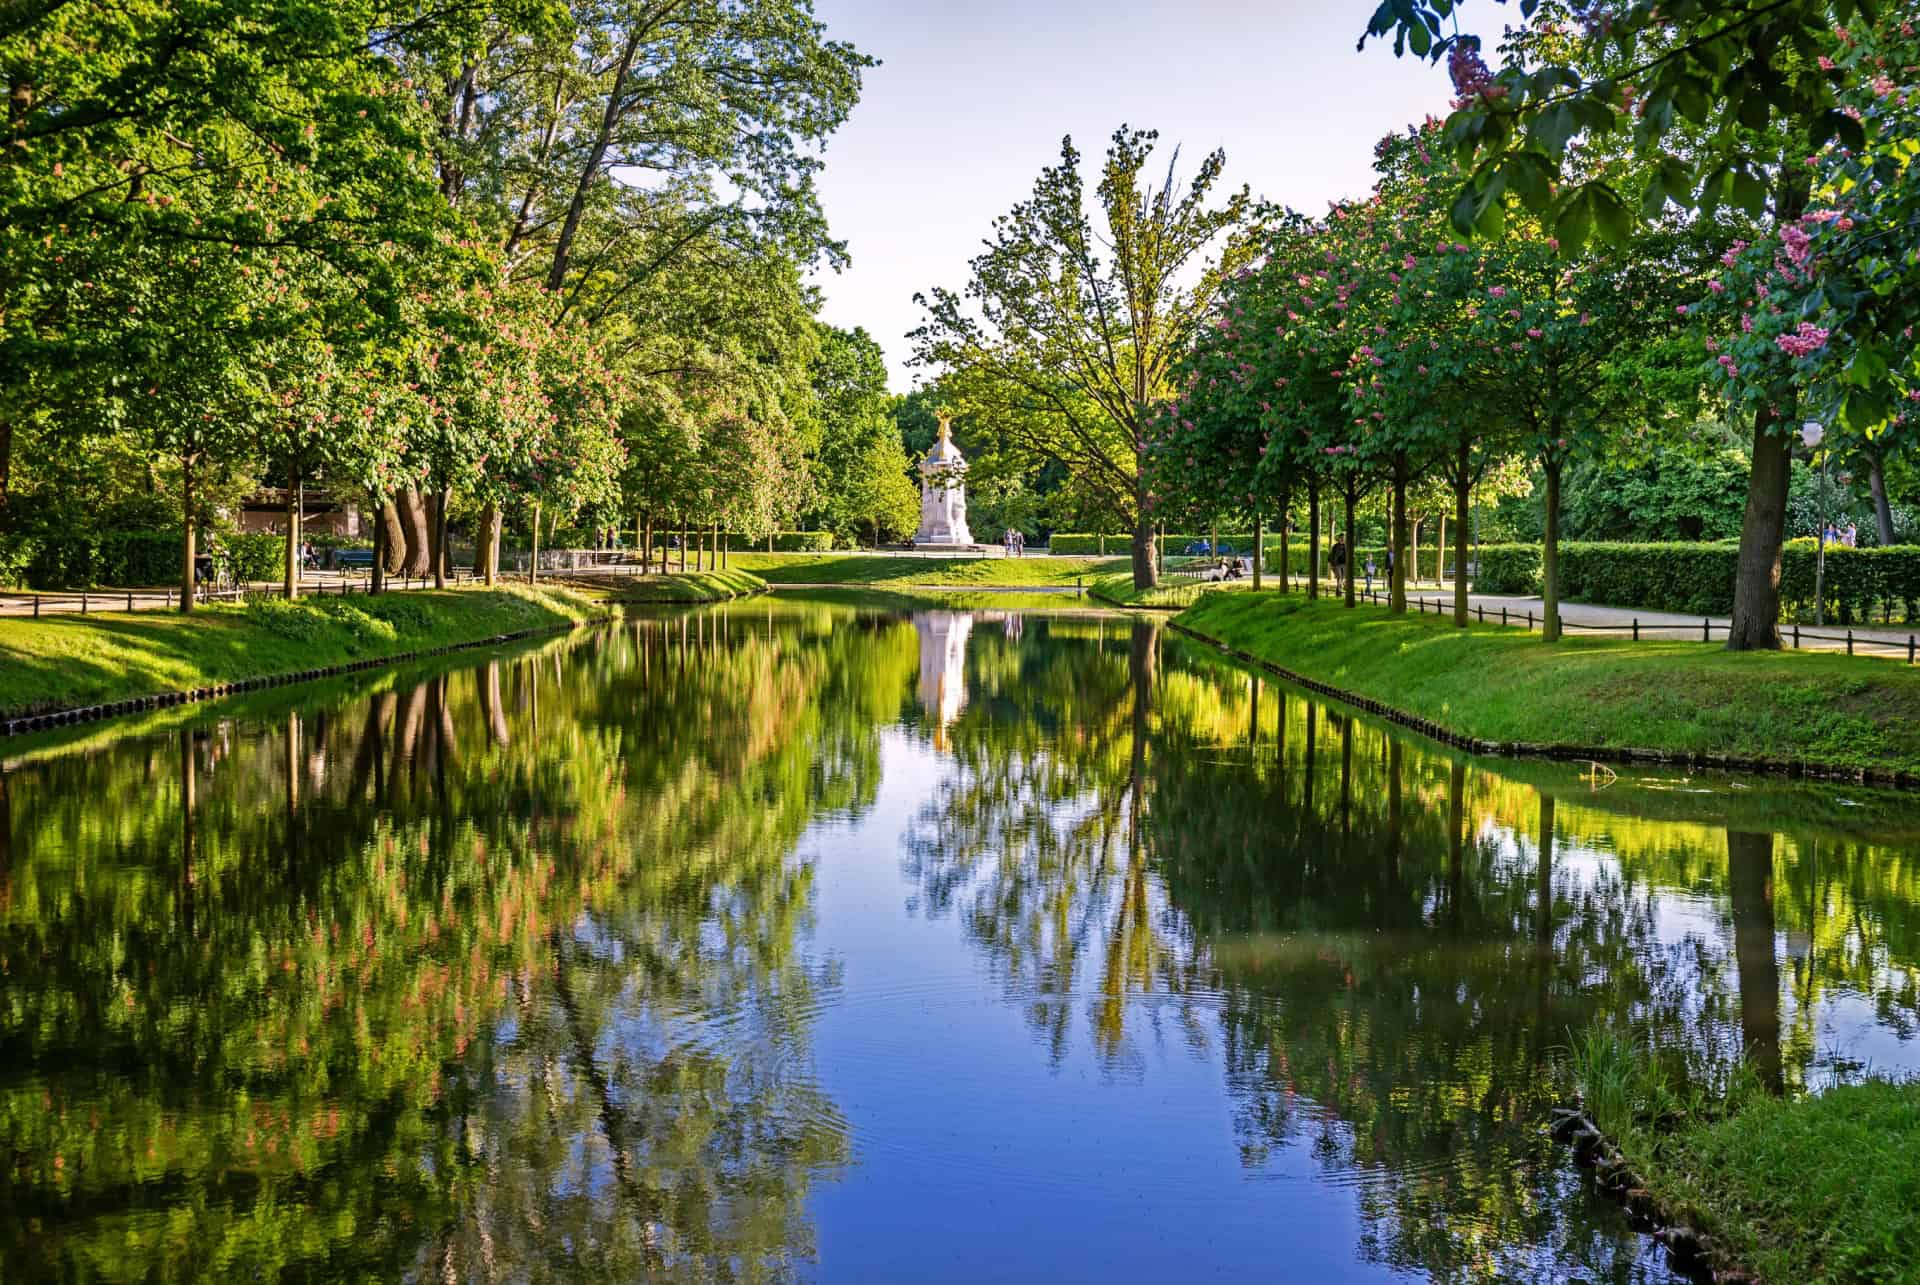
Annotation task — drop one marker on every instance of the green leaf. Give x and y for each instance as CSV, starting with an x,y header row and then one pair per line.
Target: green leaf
x,y
1749,193
1551,128
1575,222
1610,216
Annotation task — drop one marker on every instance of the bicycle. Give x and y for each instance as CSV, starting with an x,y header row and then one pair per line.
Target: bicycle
x,y
217,580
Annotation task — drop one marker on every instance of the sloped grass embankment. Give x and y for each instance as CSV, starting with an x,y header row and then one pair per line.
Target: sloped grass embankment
x,y
1816,710
67,662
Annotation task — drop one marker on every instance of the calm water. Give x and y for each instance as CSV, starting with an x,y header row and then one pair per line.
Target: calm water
x,y
792,941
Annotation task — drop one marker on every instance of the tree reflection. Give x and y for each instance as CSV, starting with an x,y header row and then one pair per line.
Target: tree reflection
x,y
1383,971
439,980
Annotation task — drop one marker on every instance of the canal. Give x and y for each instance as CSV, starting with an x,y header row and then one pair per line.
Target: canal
x,y
800,940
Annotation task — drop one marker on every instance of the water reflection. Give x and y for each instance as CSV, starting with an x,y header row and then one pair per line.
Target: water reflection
x,y
573,962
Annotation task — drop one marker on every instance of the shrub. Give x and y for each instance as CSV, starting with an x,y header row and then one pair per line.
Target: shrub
x,y
784,542
1697,579
1508,568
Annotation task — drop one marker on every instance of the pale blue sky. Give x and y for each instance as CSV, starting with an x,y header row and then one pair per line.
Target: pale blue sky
x,y
973,98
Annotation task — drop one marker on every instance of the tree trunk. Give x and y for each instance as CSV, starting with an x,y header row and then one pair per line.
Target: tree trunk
x,y
1876,478
683,546
1313,539
1286,545
394,546
1440,551
1258,558
533,556
6,460
1353,553
1550,558
486,549
1144,573
1756,587
437,551
1413,552
1397,540
291,589
186,508
1462,497
413,529
377,569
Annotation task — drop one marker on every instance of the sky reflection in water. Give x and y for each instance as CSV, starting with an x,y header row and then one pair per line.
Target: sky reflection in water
x,y
795,941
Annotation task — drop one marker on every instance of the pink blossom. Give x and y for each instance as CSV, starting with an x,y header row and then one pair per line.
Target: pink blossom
x,y
1797,242
1535,332
1498,292
1717,286
1806,340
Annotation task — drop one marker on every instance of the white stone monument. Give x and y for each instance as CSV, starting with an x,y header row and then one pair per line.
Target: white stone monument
x,y
943,494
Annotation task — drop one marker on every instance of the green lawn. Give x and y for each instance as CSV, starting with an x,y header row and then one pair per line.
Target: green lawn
x,y
1506,685
871,569
681,587
65,661
1810,1188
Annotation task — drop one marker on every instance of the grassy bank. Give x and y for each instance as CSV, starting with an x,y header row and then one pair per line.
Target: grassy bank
x,y
902,572
1505,685
680,587
1820,1188
61,662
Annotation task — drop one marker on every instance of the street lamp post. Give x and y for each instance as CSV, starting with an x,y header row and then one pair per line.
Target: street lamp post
x,y
1812,433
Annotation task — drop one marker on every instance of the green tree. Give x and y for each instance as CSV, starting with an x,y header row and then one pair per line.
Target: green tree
x,y
1076,335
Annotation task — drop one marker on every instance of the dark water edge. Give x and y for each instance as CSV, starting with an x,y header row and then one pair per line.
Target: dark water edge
x,y
800,939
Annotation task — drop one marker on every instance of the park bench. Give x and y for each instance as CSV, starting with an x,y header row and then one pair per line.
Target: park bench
x,y
351,559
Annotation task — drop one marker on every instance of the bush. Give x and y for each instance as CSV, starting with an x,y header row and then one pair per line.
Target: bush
x,y
1082,545
1697,579
1508,568
784,542
88,560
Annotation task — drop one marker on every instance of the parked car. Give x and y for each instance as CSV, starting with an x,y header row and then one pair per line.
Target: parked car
x,y
1205,549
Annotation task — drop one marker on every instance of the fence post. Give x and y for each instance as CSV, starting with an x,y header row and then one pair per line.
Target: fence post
x,y
36,606
1503,617
129,600
1706,629
1796,635
83,604
1636,629
1849,642
1529,619
1482,609
1910,642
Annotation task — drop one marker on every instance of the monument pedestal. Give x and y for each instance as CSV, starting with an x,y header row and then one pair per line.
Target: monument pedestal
x,y
943,495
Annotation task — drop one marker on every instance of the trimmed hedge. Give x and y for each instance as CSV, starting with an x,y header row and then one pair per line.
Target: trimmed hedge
x,y
1508,568
783,542
1697,579
87,560
1082,545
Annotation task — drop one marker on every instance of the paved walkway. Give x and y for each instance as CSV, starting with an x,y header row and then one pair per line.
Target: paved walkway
x,y
1580,617
121,601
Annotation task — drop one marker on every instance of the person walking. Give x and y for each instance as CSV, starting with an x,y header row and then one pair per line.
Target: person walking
x,y
1019,543
1337,561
